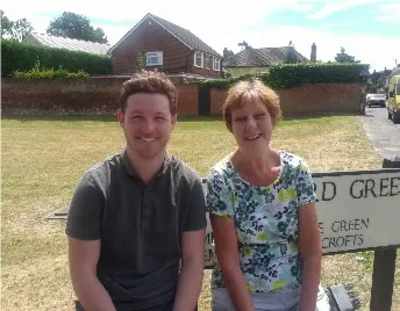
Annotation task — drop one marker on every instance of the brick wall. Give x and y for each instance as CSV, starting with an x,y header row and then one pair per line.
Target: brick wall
x,y
217,97
77,97
86,96
309,99
100,96
322,98
187,99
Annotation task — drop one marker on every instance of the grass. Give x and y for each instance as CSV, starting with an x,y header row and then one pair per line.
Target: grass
x,y
43,158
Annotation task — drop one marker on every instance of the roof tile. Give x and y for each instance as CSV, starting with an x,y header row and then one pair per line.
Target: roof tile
x,y
71,44
261,57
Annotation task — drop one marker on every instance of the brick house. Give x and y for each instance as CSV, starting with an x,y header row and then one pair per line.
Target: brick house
x,y
160,44
251,60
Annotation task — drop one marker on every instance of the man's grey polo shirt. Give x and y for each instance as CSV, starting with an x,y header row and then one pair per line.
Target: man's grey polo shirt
x,y
140,226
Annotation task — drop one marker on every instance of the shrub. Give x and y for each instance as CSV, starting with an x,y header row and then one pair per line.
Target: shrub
x,y
49,74
290,75
19,57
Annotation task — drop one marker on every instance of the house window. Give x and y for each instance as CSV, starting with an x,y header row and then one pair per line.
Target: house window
x,y
154,58
208,62
199,59
216,64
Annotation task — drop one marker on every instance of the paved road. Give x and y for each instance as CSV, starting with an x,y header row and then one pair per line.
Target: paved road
x,y
383,134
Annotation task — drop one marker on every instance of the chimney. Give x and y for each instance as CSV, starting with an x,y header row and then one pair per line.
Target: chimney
x,y
225,54
313,57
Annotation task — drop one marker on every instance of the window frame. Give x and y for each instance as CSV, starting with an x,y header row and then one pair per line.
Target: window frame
x,y
159,56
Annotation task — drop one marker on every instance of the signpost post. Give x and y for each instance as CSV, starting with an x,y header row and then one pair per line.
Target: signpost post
x,y
384,265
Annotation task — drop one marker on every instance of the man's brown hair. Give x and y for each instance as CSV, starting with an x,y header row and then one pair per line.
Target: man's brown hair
x,y
240,93
149,82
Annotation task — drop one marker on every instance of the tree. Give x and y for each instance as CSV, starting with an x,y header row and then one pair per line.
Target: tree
x,y
343,57
6,25
140,62
21,28
75,26
291,57
244,44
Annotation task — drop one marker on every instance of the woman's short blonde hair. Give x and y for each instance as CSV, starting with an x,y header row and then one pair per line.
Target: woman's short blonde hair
x,y
238,96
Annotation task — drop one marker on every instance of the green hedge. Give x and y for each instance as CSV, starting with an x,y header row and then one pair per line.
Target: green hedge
x,y
290,75
22,57
49,74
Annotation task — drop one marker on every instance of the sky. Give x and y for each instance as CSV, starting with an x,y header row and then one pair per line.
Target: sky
x,y
367,29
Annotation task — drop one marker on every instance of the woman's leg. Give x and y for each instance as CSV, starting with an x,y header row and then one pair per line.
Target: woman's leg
x,y
221,300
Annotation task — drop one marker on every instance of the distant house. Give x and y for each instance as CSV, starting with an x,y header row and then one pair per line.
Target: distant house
x,y
251,60
157,43
384,80
45,40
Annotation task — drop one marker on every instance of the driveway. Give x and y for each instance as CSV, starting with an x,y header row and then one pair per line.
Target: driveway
x,y
383,134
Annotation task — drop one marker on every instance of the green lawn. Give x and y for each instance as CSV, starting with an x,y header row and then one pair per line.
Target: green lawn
x,y
43,158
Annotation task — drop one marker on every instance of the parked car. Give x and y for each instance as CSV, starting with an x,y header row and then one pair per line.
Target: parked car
x,y
376,100
393,106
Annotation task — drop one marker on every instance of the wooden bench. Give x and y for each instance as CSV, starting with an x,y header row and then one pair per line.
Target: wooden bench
x,y
355,210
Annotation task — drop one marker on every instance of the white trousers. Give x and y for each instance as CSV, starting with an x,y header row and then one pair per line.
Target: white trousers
x,y
268,302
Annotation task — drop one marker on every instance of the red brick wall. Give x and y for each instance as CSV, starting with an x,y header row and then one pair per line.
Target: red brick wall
x,y
309,99
77,97
217,99
187,99
147,38
84,96
100,96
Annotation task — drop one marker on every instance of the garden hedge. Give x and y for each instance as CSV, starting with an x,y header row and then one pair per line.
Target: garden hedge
x,y
290,75
21,57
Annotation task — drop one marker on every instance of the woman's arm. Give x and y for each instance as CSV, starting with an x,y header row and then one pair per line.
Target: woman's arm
x,y
226,248
311,251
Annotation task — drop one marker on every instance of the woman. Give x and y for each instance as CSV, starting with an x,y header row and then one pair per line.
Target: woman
x,y
263,215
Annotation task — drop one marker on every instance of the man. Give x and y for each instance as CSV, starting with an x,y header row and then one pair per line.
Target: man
x,y
136,224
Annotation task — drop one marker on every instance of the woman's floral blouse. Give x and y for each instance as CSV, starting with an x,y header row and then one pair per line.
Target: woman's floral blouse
x,y
266,221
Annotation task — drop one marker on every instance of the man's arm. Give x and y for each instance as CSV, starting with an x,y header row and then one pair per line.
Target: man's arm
x,y
191,276
83,258
192,245
311,251
84,232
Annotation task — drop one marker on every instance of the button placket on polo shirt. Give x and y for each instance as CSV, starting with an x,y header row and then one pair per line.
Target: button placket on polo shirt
x,y
147,212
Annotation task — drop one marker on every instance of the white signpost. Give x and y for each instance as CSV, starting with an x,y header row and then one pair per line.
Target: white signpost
x,y
357,210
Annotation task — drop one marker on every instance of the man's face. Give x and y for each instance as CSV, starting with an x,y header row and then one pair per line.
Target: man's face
x,y
147,124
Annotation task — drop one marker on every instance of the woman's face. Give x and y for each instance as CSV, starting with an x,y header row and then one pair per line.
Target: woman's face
x,y
252,126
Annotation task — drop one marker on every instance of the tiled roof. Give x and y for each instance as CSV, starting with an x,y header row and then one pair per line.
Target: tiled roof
x,y
184,35
70,44
261,57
